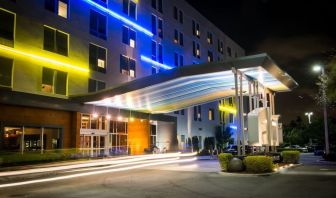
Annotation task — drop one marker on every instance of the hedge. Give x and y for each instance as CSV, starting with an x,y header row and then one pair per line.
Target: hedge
x,y
224,159
258,164
291,156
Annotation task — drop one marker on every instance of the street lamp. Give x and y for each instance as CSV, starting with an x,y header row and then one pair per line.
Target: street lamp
x,y
319,68
309,114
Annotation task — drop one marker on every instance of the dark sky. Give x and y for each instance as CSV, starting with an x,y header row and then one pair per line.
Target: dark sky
x,y
295,33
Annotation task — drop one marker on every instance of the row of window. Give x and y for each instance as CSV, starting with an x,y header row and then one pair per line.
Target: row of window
x,y
198,113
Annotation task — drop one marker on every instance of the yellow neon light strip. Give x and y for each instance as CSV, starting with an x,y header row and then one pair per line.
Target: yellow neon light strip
x,y
41,58
227,109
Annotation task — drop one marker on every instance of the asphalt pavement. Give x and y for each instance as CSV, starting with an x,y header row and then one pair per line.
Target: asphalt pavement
x,y
315,178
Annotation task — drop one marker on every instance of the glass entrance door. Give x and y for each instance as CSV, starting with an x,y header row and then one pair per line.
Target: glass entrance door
x,y
118,138
93,145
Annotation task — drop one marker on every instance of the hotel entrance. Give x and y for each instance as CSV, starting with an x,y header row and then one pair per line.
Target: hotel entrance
x,y
93,145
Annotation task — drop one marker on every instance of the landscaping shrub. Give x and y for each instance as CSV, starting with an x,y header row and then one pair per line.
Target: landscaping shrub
x,y
224,159
204,152
291,157
258,164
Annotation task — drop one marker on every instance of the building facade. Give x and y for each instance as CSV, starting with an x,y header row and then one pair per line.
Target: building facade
x,y
51,50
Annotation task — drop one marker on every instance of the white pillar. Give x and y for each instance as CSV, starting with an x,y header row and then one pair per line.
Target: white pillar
x,y
42,139
237,121
241,112
22,140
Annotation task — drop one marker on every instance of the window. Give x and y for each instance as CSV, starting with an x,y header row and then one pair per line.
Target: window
x,y
175,13
6,68
157,26
154,27
160,28
210,56
95,85
55,41
154,50
157,5
90,122
182,112
97,58
178,38
229,51
129,8
181,17
127,66
183,138
7,21
178,60
210,40
178,15
196,29
98,24
160,53
231,101
231,120
220,47
60,7
54,81
153,135
128,36
176,112
196,50
101,2
197,113
211,114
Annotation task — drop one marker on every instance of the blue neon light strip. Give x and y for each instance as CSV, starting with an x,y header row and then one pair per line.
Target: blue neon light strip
x,y
148,60
119,17
233,127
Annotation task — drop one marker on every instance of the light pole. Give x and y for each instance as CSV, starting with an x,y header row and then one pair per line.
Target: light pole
x,y
309,114
319,68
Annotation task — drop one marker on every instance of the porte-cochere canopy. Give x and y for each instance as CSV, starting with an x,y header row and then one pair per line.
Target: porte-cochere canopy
x,y
187,86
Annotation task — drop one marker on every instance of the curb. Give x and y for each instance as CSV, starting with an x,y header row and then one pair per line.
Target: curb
x,y
259,174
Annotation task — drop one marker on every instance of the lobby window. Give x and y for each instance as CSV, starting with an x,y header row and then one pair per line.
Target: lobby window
x,y
95,85
127,66
210,39
7,21
88,121
229,51
54,81
198,113
196,50
55,41
128,36
210,56
6,69
211,114
129,8
98,24
196,29
153,135
97,58
60,7
157,5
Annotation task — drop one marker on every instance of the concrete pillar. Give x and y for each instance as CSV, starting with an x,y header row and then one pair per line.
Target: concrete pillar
x,y
241,112
237,121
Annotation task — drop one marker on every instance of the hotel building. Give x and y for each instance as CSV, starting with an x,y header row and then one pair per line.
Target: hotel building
x,y
58,58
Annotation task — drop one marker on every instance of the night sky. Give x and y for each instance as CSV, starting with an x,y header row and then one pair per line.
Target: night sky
x,y
295,33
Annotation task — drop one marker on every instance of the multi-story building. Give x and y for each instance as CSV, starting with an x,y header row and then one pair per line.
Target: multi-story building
x,y
54,50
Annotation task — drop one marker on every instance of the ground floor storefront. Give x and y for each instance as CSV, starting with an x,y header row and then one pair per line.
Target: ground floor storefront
x,y
31,129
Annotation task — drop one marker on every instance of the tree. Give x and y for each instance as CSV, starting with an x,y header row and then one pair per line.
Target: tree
x,y
222,137
195,143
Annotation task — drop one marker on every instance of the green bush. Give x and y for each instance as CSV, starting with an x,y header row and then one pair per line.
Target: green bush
x,y
224,159
291,156
258,164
